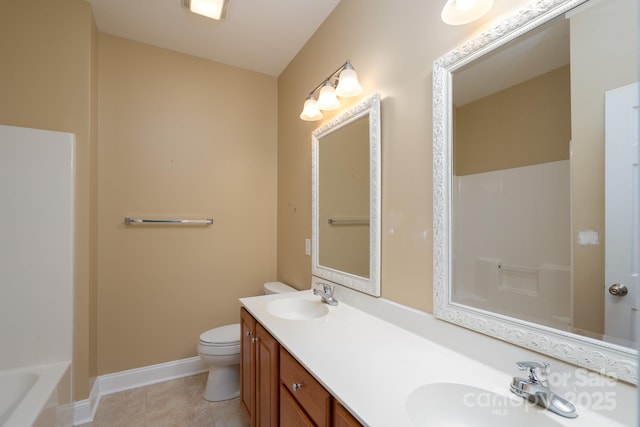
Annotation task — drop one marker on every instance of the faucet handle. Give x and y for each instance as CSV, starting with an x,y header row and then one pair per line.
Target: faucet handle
x,y
328,289
537,371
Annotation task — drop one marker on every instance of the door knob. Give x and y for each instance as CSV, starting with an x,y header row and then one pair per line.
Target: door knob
x,y
618,290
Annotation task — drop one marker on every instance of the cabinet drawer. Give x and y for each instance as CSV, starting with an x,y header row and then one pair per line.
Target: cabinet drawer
x,y
308,392
342,417
291,415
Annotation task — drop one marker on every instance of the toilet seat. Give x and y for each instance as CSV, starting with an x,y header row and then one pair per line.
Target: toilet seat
x,y
223,336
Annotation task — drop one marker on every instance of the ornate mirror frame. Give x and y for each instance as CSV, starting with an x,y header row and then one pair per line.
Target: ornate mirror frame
x,y
371,285
589,353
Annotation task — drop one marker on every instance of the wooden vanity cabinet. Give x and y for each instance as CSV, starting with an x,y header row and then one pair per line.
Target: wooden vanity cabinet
x,y
276,390
259,369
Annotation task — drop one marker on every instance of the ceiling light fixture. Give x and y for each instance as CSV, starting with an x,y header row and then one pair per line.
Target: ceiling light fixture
x,y
460,12
214,9
343,82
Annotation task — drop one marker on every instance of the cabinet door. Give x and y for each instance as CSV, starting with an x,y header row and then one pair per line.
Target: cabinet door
x,y
267,384
342,417
291,414
247,363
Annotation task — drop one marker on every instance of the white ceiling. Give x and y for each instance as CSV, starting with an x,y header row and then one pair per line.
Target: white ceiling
x,y
257,35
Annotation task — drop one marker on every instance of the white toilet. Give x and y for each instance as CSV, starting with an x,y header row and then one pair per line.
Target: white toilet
x,y
220,349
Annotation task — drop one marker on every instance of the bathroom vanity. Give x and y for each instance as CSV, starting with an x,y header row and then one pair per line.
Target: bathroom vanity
x,y
387,364
277,389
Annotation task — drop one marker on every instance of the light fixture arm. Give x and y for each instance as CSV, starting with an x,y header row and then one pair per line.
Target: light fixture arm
x,y
333,75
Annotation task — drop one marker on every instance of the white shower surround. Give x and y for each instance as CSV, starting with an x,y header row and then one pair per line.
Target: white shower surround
x,y
36,257
512,242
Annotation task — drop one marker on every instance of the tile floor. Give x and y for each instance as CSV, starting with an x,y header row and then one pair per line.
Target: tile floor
x,y
175,403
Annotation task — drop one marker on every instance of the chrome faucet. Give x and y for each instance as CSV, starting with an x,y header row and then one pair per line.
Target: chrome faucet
x,y
536,390
326,293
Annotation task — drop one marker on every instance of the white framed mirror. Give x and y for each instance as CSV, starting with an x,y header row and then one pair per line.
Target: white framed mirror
x,y
516,253
346,198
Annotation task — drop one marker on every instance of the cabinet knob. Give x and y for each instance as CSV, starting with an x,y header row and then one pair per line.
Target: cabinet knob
x,y
296,386
247,333
254,340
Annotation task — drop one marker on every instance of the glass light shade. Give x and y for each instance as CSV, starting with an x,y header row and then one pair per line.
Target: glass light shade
x,y
214,9
460,12
465,4
310,112
348,84
327,100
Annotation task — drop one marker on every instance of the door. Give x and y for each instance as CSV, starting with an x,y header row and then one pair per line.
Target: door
x,y
247,363
267,378
622,201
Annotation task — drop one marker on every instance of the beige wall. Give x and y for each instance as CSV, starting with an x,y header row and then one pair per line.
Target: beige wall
x,y
180,137
392,46
603,57
526,124
47,56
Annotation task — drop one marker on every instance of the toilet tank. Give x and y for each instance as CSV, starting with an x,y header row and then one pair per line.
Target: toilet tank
x,y
277,288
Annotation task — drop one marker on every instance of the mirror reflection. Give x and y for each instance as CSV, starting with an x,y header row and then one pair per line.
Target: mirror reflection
x,y
343,186
528,197
346,198
511,175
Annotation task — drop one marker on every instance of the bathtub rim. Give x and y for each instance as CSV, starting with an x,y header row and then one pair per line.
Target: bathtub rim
x,y
35,401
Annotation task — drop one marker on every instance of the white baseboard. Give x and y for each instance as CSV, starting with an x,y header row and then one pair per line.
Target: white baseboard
x,y
84,410
133,378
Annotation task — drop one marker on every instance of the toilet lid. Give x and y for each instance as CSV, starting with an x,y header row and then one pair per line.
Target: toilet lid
x,y
224,335
278,287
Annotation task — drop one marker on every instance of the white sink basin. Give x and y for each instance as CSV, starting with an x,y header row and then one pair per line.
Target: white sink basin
x,y
297,309
459,405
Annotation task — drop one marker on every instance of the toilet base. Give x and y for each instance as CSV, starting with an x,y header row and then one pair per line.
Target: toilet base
x,y
223,383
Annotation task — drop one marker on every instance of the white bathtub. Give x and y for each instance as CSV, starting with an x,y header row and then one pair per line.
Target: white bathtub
x,y
36,396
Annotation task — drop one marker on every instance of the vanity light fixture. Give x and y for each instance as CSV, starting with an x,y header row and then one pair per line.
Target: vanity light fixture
x,y
214,9
343,82
460,12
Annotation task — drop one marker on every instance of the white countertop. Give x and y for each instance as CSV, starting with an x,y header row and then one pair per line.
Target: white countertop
x,y
371,366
